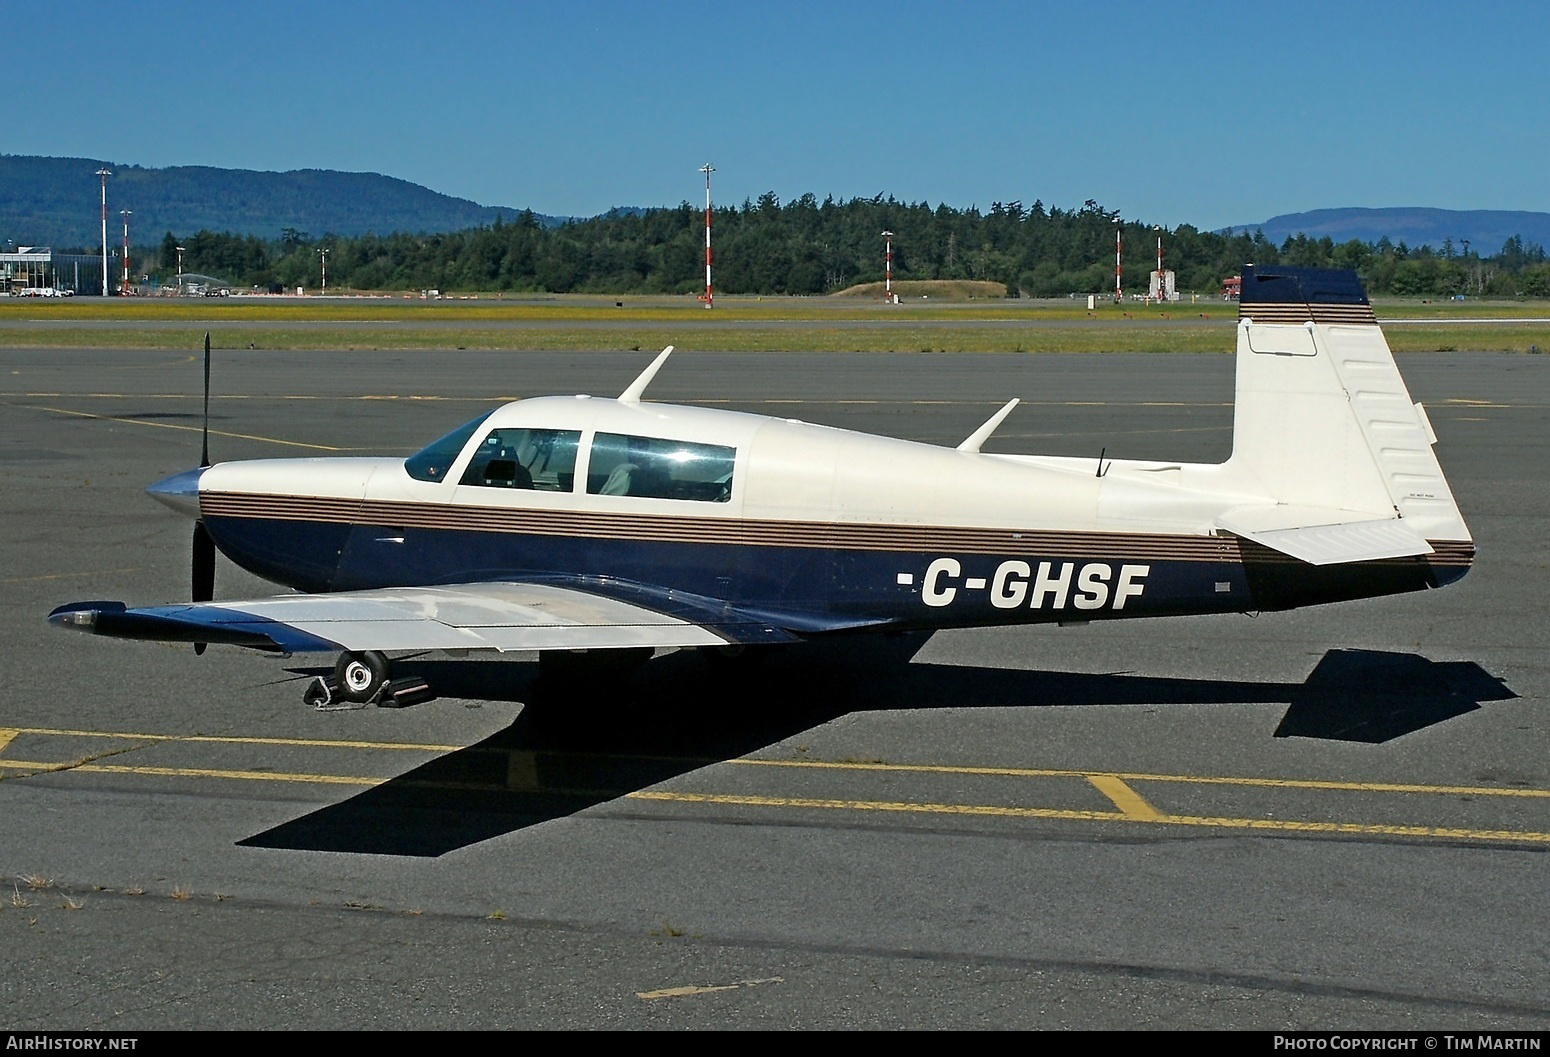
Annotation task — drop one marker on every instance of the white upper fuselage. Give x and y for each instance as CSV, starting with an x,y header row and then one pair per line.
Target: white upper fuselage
x,y
791,470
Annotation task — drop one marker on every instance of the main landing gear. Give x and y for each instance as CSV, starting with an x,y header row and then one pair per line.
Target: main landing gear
x,y
361,679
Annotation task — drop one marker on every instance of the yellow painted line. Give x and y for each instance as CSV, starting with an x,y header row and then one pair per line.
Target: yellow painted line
x,y
189,772
1127,776
187,429
30,768
1356,787
5,737
1355,828
1131,804
843,765
315,743
333,743
1129,812
990,810
522,771
903,807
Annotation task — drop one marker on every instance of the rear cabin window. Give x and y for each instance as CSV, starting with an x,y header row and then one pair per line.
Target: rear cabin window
x,y
432,462
543,460
660,469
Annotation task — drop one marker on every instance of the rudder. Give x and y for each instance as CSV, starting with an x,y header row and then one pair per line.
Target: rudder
x,y
1323,418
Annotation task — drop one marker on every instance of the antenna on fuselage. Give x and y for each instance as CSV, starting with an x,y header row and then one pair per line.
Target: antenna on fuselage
x,y
981,435
632,395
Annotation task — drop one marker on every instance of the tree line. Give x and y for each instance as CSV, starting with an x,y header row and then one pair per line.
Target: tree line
x,y
808,247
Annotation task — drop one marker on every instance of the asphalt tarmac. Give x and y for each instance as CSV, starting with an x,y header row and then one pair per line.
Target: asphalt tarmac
x,y
1333,818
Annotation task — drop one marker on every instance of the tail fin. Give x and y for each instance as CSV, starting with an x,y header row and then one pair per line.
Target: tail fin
x,y
1325,428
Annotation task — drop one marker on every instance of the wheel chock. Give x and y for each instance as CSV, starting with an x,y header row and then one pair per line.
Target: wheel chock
x,y
406,691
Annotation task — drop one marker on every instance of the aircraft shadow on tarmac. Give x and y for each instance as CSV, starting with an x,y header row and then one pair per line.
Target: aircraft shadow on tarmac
x,y
578,744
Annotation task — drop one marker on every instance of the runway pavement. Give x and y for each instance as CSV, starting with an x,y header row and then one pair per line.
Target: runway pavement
x,y
1334,818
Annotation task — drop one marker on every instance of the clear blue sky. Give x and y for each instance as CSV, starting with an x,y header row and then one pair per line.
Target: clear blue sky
x,y
1171,112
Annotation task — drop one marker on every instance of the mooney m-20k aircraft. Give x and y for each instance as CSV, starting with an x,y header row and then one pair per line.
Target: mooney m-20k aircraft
x,y
581,524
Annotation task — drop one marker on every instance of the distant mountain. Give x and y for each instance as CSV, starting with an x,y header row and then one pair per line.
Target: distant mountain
x,y
57,202
1486,229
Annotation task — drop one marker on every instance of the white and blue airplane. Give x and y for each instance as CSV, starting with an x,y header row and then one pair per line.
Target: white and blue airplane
x,y
579,524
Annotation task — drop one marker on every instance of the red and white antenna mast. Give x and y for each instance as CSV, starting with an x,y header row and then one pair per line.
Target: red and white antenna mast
x,y
104,174
125,213
707,169
1118,297
888,267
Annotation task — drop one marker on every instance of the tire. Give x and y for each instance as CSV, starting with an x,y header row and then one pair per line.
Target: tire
x,y
361,676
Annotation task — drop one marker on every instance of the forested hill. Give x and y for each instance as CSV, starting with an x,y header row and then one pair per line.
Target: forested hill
x,y
1445,230
812,247
265,229
57,202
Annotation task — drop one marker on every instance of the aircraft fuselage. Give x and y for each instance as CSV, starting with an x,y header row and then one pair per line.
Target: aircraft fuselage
x,y
815,529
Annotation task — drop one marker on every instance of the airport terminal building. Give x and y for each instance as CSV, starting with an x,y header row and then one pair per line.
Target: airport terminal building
x,y
33,269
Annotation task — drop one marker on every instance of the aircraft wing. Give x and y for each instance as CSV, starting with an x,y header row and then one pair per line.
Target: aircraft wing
x,y
479,616
1325,537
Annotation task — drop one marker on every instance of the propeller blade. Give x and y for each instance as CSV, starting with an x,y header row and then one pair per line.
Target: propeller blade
x,y
203,569
203,563
204,448
202,560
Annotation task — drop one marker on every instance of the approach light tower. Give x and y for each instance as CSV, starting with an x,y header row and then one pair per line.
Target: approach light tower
x,y
104,174
888,267
707,169
1163,287
1118,297
124,289
180,271
323,252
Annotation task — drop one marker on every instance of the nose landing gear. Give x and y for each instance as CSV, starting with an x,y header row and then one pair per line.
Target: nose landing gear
x,y
361,679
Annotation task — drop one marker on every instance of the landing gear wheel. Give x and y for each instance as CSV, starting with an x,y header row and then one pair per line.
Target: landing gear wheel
x,y
361,676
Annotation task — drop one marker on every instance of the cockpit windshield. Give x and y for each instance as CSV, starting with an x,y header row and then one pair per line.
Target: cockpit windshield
x,y
432,462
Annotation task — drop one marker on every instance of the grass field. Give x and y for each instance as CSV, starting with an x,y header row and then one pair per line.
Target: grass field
x,y
735,324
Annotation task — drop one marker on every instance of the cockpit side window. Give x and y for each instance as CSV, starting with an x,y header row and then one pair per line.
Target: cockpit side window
x,y
660,469
432,462
540,459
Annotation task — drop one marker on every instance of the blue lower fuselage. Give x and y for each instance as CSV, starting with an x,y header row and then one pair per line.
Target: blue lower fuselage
x,y
807,577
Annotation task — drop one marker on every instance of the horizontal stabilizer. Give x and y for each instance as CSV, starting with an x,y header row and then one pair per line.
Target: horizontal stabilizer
x,y
1324,537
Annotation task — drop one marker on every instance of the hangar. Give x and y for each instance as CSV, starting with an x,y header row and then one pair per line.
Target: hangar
x,y
32,269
